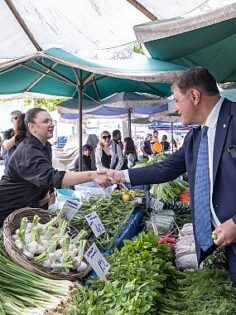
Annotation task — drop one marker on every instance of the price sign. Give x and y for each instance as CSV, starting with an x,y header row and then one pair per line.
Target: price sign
x,y
97,261
69,209
95,223
156,205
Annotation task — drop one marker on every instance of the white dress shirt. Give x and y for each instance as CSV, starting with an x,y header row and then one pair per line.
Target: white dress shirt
x,y
211,124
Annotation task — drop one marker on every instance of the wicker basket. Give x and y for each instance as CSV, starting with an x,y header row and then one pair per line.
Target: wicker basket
x,y
11,224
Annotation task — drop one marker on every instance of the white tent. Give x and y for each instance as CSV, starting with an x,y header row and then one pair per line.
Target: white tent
x,y
28,26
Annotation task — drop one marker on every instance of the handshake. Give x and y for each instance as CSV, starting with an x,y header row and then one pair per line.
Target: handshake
x,y
108,177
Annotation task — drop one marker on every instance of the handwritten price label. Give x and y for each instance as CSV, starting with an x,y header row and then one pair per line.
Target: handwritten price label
x,y
95,224
69,209
156,205
97,261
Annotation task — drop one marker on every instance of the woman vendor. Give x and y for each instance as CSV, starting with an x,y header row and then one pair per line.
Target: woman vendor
x,y
29,178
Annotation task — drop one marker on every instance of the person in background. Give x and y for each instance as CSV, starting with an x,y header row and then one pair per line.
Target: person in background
x,y
165,144
155,143
116,137
9,143
130,154
174,143
208,157
86,159
108,153
30,179
146,147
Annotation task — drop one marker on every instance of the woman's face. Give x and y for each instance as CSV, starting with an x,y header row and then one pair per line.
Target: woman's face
x,y
87,152
106,139
42,127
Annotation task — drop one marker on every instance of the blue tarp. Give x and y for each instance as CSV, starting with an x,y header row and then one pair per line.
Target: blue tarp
x,y
104,110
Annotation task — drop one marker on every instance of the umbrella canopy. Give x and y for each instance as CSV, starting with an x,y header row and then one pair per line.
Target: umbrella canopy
x,y
31,26
208,40
123,103
57,72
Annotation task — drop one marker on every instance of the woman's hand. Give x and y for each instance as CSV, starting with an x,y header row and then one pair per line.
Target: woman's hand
x,y
102,179
44,200
226,233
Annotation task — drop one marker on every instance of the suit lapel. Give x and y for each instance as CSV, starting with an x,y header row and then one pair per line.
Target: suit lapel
x,y
221,131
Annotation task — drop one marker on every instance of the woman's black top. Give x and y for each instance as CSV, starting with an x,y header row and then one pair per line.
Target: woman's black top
x,y
86,163
28,177
106,159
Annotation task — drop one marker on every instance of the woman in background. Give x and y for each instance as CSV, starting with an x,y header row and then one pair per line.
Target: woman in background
x,y
86,158
130,154
108,153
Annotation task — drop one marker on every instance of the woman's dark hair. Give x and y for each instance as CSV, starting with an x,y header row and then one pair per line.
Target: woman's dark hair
x,y
20,132
129,147
87,147
31,114
197,77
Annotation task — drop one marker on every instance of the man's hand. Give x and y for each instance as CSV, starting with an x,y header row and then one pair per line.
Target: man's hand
x,y
116,177
226,233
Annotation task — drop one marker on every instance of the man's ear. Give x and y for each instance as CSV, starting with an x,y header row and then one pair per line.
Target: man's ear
x,y
195,96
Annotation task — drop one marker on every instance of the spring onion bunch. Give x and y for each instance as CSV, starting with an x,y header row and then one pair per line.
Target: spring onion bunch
x,y
25,293
50,245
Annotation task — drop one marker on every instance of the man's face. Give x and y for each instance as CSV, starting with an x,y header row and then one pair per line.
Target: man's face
x,y
184,106
118,137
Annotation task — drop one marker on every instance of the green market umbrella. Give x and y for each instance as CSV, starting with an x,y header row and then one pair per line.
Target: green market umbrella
x,y
207,40
57,72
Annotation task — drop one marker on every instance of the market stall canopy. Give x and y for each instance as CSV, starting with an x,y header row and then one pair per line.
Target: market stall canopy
x,y
57,72
208,40
171,8
127,100
31,26
104,110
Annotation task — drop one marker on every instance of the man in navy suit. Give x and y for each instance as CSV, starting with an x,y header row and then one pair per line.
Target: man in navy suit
x,y
197,101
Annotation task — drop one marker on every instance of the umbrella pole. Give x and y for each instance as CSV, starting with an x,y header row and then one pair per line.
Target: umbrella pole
x,y
129,122
80,126
172,137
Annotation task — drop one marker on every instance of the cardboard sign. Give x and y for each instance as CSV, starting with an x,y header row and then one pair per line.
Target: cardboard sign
x,y
97,261
95,223
155,204
69,209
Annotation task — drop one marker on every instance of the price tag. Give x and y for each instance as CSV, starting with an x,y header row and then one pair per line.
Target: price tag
x,y
97,261
69,209
156,205
95,223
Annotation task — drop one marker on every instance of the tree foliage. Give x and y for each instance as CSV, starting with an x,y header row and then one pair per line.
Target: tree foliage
x,y
48,104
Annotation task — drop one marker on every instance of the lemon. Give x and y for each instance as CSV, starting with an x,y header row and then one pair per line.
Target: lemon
x,y
125,197
132,194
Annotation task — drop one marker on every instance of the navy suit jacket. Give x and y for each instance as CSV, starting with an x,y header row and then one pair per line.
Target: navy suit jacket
x,y
224,166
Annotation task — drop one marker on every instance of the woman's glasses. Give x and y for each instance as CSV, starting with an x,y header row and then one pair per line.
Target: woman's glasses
x,y
106,137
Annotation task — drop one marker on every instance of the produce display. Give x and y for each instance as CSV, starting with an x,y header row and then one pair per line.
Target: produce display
x,y
142,280
113,212
182,212
26,293
169,190
207,292
50,245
